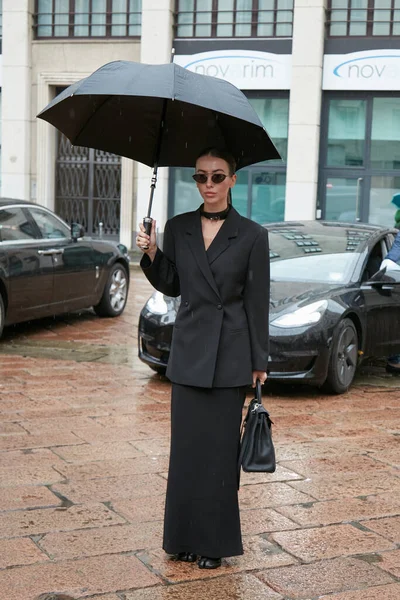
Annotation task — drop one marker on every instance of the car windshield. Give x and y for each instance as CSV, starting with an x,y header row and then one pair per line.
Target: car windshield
x,y
322,268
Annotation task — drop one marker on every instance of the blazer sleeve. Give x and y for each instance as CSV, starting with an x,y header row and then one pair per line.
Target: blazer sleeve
x,y
256,301
162,272
394,252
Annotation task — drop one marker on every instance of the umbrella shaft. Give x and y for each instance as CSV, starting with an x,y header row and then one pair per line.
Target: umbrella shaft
x,y
152,188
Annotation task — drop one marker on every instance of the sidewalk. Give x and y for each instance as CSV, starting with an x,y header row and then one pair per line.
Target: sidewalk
x,y
84,440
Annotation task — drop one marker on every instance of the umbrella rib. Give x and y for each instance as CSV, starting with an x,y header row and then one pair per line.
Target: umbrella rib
x,y
90,118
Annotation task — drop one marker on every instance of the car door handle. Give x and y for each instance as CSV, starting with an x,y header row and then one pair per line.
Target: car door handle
x,y
51,251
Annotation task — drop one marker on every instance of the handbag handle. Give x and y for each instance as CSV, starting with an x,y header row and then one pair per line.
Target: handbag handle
x,y
258,391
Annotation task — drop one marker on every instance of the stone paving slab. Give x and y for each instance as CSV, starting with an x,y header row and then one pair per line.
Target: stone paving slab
x,y
84,444
337,511
79,578
388,528
107,540
22,551
301,582
381,592
24,497
231,587
329,542
22,523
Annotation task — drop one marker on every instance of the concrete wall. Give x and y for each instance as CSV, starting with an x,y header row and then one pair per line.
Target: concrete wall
x,y
57,63
157,31
305,109
16,99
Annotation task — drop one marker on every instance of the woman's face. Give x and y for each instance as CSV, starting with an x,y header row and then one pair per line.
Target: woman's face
x,y
214,194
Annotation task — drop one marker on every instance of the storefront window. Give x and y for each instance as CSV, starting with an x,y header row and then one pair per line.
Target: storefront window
x,y
361,174
268,196
274,115
385,142
381,208
240,193
346,133
259,192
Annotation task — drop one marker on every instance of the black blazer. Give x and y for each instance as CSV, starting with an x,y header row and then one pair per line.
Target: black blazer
x,y
221,330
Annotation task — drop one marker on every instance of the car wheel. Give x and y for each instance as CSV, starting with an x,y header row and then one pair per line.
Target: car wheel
x,y
2,315
115,293
343,360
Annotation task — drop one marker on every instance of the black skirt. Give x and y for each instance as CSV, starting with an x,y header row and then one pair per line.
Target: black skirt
x,y
202,509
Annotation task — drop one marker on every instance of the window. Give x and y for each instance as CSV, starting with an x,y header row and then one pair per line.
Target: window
x,y
87,18
15,226
259,193
50,227
346,132
363,17
385,142
233,18
360,157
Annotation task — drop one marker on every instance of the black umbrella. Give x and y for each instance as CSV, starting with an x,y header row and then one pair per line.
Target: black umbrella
x,y
160,115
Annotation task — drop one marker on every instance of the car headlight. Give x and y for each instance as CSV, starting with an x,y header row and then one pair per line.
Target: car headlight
x,y
306,315
157,305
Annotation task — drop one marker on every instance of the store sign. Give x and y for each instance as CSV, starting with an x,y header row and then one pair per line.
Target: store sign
x,y
367,70
246,69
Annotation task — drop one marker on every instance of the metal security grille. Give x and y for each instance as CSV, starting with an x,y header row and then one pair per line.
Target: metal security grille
x,y
363,18
233,18
87,18
88,188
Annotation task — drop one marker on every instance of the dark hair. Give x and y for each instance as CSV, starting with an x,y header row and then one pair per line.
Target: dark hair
x,y
220,153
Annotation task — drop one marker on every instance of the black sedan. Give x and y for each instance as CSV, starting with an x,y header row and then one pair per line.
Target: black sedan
x,y
48,268
331,306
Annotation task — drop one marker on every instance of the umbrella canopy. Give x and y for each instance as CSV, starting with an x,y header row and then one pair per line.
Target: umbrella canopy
x,y
159,115
396,200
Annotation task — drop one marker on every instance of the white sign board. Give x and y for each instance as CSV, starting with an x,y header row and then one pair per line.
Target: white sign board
x,y
366,70
246,69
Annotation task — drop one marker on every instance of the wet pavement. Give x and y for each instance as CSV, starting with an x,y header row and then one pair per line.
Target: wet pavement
x,y
84,434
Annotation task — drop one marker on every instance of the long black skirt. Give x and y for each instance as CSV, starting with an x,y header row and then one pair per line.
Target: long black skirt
x,y
202,509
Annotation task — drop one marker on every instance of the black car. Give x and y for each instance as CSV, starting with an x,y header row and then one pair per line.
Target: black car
x,y
48,268
330,305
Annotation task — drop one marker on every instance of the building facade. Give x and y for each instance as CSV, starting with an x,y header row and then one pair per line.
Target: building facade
x,y
324,79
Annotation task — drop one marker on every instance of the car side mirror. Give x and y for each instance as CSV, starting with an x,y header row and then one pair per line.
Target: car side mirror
x,y
385,279
77,231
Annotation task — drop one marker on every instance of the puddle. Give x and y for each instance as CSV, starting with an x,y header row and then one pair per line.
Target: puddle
x,y
72,351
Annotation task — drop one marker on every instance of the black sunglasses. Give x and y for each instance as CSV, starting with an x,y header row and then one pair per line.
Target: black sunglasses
x,y
215,177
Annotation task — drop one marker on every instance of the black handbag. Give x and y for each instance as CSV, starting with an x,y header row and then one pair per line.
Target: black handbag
x,y
257,452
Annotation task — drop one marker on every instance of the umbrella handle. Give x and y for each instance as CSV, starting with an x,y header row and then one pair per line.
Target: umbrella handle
x,y
147,224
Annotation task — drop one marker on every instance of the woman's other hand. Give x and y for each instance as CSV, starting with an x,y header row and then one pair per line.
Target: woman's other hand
x,y
147,243
261,375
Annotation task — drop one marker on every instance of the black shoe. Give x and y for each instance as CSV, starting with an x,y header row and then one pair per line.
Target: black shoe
x,y
206,562
186,557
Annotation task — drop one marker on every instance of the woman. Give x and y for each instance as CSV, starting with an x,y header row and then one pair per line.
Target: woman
x,y
218,262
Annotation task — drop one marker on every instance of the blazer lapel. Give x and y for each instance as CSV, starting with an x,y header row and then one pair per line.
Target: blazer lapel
x,y
228,231
195,240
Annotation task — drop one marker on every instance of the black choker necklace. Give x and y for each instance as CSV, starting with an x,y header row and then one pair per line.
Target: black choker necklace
x,y
215,216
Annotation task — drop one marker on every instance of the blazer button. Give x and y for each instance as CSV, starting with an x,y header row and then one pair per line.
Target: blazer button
x,y
186,303
219,306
